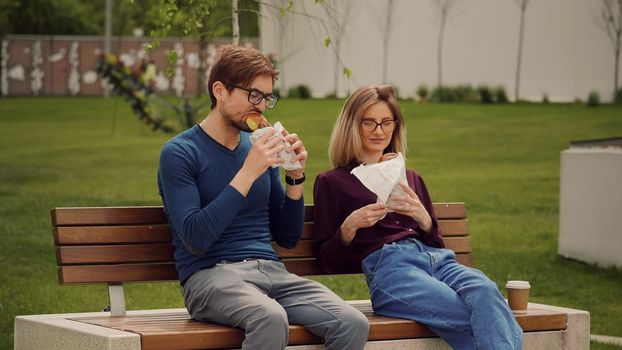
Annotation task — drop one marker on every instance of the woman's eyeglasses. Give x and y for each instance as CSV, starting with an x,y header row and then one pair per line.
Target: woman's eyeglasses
x,y
370,125
255,97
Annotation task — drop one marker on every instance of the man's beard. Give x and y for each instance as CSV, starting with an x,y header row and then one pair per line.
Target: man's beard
x,y
234,122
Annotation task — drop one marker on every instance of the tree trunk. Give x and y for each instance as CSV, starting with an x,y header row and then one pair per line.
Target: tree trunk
x,y
519,56
439,48
107,41
617,45
235,23
617,72
337,65
385,43
339,34
201,71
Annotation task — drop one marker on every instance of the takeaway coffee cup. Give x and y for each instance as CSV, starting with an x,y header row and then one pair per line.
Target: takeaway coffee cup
x,y
518,294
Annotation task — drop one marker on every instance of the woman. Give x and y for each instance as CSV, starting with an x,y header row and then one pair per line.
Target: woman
x,y
409,273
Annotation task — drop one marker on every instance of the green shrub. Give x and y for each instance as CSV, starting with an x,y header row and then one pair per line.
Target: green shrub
x,y
485,95
299,91
500,96
466,93
459,94
545,99
593,99
617,99
422,92
442,95
331,94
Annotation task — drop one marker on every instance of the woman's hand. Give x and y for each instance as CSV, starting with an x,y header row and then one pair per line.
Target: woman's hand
x,y
412,207
366,216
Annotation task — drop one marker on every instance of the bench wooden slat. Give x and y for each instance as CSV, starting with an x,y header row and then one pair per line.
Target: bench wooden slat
x,y
450,210
76,235
177,330
449,227
154,215
147,272
303,267
114,274
308,266
304,249
68,235
536,320
163,252
465,259
458,244
111,274
101,254
454,227
151,215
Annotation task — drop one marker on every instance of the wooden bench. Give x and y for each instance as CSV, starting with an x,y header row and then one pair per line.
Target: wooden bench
x,y
117,245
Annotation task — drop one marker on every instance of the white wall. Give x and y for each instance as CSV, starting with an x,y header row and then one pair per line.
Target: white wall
x,y
565,54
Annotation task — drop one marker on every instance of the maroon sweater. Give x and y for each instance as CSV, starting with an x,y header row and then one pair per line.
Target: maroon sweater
x,y
336,194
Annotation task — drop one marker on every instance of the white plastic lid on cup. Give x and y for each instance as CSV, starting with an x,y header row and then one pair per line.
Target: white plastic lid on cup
x,y
518,285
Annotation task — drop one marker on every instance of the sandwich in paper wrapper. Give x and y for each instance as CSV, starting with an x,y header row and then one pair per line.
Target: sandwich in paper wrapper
x,y
383,178
278,128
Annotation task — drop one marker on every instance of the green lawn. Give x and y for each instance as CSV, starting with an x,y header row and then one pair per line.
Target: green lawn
x,y
503,161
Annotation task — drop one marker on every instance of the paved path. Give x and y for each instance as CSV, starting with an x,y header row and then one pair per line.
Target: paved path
x,y
605,339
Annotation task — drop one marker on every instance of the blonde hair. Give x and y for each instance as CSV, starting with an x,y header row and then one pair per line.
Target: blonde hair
x,y
346,144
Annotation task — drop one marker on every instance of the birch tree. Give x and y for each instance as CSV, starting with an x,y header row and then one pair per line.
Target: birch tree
x,y
235,25
286,11
386,35
611,22
339,12
522,4
444,8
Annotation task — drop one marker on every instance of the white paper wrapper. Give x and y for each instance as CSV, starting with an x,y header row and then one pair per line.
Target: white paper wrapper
x,y
287,164
383,178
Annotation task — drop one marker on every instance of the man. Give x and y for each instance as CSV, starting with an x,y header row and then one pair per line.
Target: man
x,y
224,201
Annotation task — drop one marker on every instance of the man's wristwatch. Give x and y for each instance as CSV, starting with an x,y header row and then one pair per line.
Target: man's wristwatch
x,y
294,182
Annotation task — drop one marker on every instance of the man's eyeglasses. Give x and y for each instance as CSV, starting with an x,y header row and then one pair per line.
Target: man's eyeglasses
x,y
255,97
370,125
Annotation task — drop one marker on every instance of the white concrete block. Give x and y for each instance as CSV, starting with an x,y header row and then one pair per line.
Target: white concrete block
x,y
552,340
590,205
577,334
56,332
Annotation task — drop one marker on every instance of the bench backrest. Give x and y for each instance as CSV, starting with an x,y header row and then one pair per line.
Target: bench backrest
x,y
115,245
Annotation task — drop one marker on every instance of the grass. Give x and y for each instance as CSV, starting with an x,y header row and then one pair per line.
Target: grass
x,y
502,160
599,346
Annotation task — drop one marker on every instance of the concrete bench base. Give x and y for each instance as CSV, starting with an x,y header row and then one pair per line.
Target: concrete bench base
x,y
58,332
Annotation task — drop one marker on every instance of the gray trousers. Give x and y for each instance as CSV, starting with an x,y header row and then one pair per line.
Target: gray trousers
x,y
261,297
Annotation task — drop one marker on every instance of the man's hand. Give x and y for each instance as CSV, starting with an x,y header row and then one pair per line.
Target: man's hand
x,y
296,146
262,154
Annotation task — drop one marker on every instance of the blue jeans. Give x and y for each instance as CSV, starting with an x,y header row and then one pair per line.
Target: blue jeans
x,y
410,280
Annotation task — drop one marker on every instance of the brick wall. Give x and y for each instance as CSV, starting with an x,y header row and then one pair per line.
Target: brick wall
x,y
65,65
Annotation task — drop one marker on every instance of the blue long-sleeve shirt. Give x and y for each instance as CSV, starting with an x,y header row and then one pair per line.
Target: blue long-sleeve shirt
x,y
210,220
